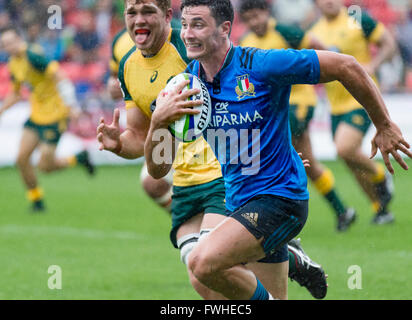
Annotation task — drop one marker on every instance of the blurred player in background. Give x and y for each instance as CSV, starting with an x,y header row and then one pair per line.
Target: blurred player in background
x,y
198,191
341,33
266,33
52,101
159,190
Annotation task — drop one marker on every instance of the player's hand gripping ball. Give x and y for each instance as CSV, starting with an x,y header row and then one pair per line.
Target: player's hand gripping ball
x,y
190,127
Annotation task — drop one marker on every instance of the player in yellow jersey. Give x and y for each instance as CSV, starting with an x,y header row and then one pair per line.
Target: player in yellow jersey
x,y
344,34
198,188
121,45
159,190
266,33
52,100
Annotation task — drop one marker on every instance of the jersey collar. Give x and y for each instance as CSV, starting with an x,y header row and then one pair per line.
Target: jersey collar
x,y
216,79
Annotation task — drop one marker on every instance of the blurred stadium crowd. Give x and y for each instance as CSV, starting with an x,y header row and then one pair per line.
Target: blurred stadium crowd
x,y
83,44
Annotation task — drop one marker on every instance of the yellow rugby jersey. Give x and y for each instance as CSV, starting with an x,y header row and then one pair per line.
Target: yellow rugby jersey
x,y
141,80
122,43
34,70
345,35
279,36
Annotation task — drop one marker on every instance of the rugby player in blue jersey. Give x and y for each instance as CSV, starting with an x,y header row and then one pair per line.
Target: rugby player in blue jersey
x,y
265,180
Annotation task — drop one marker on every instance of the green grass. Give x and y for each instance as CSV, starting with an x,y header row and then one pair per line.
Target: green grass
x,y
112,242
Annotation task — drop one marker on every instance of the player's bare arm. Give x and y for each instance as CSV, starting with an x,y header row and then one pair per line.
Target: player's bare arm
x,y
11,99
170,106
128,144
354,78
386,51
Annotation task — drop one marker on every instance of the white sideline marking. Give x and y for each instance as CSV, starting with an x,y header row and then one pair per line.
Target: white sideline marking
x,y
68,231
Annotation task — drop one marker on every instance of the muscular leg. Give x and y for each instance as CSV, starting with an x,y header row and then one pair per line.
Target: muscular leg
x,y
48,162
348,142
159,190
187,232
217,261
29,142
321,177
274,277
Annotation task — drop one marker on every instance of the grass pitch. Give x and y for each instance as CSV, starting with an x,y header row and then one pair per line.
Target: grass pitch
x,y
112,242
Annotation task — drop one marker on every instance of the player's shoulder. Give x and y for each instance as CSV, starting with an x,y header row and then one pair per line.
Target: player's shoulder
x,y
118,36
368,24
126,58
36,57
292,34
177,42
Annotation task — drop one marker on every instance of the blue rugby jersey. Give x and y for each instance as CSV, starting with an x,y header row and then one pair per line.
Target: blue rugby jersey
x,y
249,130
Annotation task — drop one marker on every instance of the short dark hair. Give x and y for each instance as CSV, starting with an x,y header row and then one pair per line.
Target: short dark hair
x,y
221,10
164,5
246,5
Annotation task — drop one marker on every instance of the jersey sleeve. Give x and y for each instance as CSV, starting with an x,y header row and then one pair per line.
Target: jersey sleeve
x,y
114,61
372,29
37,60
293,35
288,67
122,80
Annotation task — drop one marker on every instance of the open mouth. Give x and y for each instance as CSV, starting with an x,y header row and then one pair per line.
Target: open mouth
x,y
193,45
141,35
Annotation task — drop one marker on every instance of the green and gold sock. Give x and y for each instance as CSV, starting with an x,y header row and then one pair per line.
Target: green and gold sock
x,y
325,184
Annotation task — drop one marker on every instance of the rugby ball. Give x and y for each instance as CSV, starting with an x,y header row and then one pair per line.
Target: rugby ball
x,y
190,127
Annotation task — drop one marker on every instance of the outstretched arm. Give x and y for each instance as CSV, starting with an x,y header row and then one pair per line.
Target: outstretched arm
x,y
130,143
355,79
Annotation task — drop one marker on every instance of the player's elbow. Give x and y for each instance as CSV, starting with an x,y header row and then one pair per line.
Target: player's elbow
x,y
156,171
348,64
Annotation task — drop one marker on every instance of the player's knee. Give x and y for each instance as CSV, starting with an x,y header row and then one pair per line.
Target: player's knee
x,y
200,265
345,151
45,166
154,188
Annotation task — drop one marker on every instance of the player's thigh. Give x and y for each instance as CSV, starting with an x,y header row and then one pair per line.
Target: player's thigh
x,y
190,226
155,187
229,244
274,277
349,130
348,140
28,143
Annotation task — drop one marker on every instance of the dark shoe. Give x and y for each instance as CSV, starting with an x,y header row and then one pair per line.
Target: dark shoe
x,y
309,274
84,160
383,217
37,207
346,219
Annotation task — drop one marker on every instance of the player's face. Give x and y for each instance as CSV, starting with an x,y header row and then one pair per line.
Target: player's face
x,y
147,24
330,8
256,20
199,33
10,43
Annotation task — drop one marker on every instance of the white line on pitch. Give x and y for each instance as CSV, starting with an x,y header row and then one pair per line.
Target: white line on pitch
x,y
69,231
